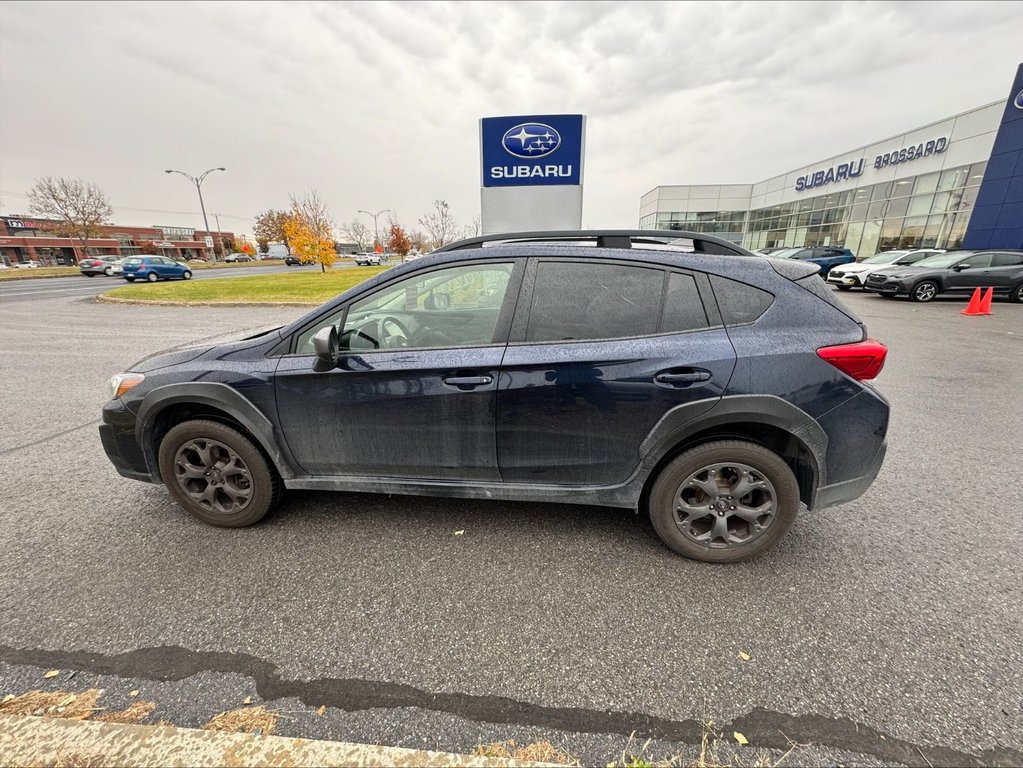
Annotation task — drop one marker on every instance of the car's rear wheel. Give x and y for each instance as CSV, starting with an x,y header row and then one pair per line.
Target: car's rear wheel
x,y
1016,294
217,474
186,275
924,291
152,277
108,271
724,502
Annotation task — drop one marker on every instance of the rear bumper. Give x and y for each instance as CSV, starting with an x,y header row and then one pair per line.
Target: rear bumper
x,y
840,493
117,434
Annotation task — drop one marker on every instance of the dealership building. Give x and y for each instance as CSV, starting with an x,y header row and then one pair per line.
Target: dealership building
x,y
921,188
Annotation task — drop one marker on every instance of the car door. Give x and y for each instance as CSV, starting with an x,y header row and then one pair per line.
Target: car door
x,y
413,395
969,273
600,351
1004,271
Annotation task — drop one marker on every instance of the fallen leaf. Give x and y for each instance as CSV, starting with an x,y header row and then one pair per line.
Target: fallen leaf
x,y
459,533
247,700
744,656
320,710
134,693
7,698
52,673
740,738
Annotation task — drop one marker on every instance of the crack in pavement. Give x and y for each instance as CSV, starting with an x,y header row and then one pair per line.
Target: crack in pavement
x,y
762,727
49,437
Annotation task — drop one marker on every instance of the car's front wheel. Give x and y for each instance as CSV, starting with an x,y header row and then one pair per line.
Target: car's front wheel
x,y
152,277
217,474
1016,294
186,275
924,291
108,271
724,502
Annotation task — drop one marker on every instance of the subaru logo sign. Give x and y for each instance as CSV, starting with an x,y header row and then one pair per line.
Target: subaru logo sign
x,y
531,140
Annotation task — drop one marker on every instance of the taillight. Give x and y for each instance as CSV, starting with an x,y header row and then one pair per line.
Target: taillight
x,y
862,360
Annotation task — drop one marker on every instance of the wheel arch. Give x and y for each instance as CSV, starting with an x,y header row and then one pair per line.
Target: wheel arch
x,y
764,420
167,406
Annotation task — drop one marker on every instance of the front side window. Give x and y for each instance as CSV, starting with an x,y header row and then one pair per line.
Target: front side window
x,y
453,307
977,261
583,300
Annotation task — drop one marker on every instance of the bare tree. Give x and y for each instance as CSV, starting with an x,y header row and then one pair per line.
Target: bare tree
x,y
357,232
80,207
472,229
418,240
439,224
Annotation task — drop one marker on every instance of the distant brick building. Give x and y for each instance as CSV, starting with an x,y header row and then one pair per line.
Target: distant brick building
x,y
25,238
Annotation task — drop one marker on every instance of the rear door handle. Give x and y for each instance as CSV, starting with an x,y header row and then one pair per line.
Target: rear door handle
x,y
682,377
468,381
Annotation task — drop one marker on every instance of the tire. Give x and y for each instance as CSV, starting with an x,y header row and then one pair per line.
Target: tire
x,y
152,277
108,272
924,291
1016,294
672,489
239,498
186,275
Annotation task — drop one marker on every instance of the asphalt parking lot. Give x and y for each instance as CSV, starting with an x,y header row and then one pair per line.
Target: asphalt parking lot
x,y
888,630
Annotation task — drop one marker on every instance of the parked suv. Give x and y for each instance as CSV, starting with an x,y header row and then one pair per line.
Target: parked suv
x,y
673,374
956,272
153,268
367,259
855,275
825,257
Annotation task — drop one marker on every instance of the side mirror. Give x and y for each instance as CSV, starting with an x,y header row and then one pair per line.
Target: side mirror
x,y
328,349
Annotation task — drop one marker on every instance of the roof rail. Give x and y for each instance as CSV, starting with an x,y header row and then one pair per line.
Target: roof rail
x,y
605,238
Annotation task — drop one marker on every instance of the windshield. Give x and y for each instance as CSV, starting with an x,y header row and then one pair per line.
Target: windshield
x,y
884,258
788,253
942,260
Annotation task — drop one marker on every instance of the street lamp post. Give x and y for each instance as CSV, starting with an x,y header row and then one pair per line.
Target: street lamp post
x,y
202,206
376,232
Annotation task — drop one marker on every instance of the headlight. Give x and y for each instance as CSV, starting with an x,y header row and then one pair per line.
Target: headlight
x,y
123,382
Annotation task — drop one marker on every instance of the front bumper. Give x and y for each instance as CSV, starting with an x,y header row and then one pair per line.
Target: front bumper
x,y
842,278
117,434
889,286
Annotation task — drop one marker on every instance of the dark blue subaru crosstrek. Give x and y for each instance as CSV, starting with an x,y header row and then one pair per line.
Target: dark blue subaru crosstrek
x,y
665,372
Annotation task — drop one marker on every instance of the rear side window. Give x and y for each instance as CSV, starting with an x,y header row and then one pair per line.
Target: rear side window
x,y
740,303
683,309
1006,259
573,301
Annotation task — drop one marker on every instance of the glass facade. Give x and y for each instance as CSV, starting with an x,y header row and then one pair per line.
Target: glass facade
x,y
926,211
729,225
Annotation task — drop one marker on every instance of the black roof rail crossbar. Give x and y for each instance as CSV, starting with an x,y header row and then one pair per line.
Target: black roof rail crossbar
x,y
605,238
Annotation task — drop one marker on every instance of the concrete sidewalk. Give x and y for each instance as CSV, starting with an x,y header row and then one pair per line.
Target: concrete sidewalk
x,y
43,741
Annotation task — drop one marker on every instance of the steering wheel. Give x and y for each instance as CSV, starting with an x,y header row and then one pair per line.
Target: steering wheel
x,y
397,340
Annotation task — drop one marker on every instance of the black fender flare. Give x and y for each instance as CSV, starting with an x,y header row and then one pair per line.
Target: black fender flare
x,y
223,398
686,420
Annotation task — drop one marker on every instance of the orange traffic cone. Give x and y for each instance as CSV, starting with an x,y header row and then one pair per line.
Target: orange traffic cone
x,y
985,302
973,308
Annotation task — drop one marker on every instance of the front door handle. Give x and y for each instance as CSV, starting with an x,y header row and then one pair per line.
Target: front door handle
x,y
680,378
468,381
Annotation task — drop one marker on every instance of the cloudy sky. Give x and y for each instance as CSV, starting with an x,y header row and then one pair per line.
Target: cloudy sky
x,y
375,105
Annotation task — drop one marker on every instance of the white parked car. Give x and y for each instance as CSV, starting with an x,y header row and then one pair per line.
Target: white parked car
x,y
846,276
27,265
367,259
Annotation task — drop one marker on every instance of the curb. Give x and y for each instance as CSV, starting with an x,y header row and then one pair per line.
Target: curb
x,y
33,741
104,299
